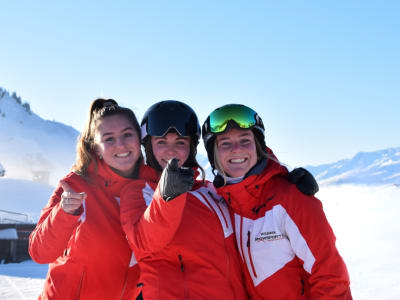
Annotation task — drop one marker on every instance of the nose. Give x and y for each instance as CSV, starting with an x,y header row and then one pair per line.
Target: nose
x,y
235,146
171,149
120,142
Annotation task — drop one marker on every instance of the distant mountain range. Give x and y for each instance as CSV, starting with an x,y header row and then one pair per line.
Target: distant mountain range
x,y
370,168
40,150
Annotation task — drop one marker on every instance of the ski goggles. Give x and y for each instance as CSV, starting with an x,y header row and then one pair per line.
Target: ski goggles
x,y
242,115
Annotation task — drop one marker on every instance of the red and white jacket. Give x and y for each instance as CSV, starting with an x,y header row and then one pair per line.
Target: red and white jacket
x,y
88,255
185,247
286,244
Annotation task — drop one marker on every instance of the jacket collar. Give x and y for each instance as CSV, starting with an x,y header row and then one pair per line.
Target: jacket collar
x,y
246,195
107,178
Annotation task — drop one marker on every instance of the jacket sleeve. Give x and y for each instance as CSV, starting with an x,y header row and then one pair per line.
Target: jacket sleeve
x,y
50,237
149,229
313,241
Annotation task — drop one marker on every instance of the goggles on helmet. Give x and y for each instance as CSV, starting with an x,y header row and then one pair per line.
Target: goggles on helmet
x,y
168,115
243,116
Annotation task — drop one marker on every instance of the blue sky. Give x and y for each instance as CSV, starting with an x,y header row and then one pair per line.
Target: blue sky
x,y
323,75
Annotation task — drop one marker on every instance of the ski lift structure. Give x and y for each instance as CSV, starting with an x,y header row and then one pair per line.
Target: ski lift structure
x,y
15,229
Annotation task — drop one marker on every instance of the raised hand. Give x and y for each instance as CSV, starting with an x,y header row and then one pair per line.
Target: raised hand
x,y
175,181
71,201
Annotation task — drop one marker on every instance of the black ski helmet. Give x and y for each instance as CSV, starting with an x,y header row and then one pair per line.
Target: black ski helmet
x,y
231,116
167,115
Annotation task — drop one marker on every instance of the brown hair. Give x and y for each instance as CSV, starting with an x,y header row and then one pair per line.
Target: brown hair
x,y
100,109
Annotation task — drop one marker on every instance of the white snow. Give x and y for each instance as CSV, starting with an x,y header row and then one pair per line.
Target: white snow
x,y
23,281
365,220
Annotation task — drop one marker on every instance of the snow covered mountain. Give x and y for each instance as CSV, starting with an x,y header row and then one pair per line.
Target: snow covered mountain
x,y
40,150
370,168
32,148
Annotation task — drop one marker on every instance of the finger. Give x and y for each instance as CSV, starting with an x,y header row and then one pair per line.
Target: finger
x,y
72,201
65,186
173,164
187,171
73,195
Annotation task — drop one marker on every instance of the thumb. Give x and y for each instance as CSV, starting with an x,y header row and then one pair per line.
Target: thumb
x,y
173,164
65,186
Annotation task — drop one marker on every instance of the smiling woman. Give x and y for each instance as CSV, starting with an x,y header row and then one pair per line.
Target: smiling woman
x,y
79,232
286,244
118,143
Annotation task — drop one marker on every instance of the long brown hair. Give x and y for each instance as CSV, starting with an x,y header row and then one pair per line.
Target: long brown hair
x,y
100,109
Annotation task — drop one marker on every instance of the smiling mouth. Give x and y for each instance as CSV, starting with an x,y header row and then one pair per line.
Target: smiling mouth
x,y
237,160
122,155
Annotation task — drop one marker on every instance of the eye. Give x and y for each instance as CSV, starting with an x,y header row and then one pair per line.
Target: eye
x,y
225,145
160,142
245,141
109,140
128,134
181,143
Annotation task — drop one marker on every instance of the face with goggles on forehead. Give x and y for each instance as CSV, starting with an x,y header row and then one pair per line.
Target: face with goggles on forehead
x,y
234,138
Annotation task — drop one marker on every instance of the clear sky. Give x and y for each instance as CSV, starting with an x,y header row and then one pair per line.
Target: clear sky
x,y
323,75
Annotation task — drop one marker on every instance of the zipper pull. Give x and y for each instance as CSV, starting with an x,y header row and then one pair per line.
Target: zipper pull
x,y
248,239
180,260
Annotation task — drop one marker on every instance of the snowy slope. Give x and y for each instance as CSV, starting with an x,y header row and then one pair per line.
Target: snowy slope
x,y
376,168
32,147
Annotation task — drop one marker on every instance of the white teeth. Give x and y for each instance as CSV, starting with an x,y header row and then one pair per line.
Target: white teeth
x,y
121,155
237,160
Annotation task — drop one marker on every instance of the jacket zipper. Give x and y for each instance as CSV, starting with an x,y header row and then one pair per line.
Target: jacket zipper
x,y
241,239
249,253
182,267
78,292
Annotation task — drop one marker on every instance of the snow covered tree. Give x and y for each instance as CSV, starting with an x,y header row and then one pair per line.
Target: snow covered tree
x,y
27,107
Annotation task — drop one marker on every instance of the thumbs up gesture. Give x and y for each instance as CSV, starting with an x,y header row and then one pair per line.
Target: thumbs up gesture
x,y
175,181
71,201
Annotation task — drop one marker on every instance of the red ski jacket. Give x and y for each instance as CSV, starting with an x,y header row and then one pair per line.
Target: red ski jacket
x,y
286,244
88,255
185,247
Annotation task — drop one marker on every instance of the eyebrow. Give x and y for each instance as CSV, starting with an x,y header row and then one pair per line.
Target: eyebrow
x,y
123,130
245,134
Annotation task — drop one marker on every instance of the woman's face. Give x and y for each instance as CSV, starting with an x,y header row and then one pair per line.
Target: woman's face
x,y
117,142
236,151
170,146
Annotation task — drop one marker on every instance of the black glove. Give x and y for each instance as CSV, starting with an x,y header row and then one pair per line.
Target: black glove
x,y
304,181
175,181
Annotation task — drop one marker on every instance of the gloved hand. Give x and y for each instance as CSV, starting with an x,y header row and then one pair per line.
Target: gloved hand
x,y
175,181
304,181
